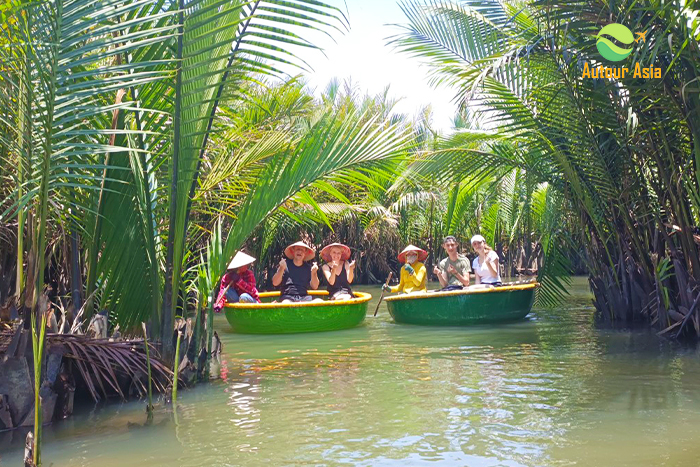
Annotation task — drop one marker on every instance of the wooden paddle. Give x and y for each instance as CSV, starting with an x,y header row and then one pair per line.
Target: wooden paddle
x,y
381,297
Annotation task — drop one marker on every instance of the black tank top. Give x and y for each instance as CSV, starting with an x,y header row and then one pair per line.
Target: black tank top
x,y
341,282
296,279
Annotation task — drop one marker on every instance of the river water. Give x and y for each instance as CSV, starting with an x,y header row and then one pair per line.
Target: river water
x,y
550,391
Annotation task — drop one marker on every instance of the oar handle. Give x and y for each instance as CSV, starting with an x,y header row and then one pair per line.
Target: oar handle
x,y
381,297
391,273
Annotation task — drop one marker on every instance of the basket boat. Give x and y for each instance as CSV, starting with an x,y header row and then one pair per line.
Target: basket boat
x,y
287,318
464,307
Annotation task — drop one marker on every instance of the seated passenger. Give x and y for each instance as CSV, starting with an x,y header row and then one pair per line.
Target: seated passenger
x,y
238,284
453,271
338,270
295,275
486,267
413,274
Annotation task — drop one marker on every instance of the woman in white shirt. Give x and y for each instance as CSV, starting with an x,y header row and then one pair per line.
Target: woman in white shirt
x,y
485,266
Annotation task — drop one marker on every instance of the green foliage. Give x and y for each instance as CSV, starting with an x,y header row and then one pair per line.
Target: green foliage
x,y
161,134
140,125
621,155
332,145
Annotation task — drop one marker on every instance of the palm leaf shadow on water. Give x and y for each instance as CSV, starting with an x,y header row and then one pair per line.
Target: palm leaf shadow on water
x,y
601,367
616,367
645,372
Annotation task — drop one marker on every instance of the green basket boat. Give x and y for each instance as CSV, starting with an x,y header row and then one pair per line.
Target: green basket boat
x,y
287,318
464,307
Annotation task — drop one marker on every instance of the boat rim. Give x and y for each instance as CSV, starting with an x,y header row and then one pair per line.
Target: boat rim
x,y
360,297
451,293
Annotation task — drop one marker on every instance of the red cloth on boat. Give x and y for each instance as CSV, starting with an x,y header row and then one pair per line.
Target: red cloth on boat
x,y
243,282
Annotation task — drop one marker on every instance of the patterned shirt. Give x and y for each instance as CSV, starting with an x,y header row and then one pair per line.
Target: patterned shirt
x,y
243,282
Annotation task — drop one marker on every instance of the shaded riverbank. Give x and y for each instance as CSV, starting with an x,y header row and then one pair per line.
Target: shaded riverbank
x,y
553,390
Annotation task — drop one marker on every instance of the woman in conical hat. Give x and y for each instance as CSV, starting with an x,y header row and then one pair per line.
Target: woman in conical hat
x,y
238,284
338,270
421,253
413,273
309,252
295,275
240,260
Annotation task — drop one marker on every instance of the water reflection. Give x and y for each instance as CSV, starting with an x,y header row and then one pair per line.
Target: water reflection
x,y
551,390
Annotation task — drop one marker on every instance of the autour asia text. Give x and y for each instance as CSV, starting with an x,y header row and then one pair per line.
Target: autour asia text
x,y
620,72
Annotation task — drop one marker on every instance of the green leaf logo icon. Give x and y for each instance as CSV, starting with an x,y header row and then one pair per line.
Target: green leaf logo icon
x,y
607,48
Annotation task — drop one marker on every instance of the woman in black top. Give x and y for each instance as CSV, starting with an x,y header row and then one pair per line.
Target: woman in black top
x,y
338,270
295,275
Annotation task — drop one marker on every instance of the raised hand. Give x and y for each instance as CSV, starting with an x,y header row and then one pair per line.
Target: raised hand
x,y
436,271
283,264
351,264
451,269
409,269
314,267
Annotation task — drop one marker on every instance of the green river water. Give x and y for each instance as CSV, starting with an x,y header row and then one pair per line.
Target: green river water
x,y
550,391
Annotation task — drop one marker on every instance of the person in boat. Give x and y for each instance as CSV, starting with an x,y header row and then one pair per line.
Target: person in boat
x,y
453,271
338,270
295,275
238,284
486,264
413,276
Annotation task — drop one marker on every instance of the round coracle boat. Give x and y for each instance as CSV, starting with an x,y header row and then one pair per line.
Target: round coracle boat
x,y
287,318
475,305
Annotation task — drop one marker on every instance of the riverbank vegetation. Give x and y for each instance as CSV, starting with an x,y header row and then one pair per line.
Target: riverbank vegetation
x,y
622,155
124,149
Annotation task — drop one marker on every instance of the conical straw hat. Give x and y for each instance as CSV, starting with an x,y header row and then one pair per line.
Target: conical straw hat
x,y
326,252
422,254
310,252
241,259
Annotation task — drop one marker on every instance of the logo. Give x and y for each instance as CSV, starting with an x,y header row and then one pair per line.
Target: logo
x,y
614,53
608,49
642,36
